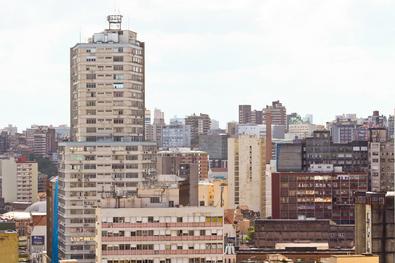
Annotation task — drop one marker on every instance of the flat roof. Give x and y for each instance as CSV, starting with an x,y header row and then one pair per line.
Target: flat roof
x,y
110,143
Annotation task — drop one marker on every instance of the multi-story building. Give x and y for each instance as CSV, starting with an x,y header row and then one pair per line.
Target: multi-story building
x,y
244,114
176,135
158,124
301,130
343,128
216,145
246,172
200,124
90,171
257,116
8,242
278,113
320,149
106,156
107,86
41,140
170,161
52,219
191,166
251,129
289,157
277,233
163,234
148,128
4,142
18,180
374,225
318,195
231,128
381,168
391,126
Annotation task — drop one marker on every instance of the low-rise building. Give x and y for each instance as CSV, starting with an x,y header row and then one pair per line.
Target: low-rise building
x,y
282,233
183,234
19,180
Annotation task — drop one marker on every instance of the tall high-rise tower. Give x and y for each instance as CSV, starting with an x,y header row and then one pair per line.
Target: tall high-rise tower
x,y
107,156
107,86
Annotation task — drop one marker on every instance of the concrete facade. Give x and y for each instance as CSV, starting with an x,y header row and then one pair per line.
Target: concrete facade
x,y
246,172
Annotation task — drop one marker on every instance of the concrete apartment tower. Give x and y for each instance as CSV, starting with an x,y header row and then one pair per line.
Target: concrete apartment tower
x,y
107,155
246,173
107,86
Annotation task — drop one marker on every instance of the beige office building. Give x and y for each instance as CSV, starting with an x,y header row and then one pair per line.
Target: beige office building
x,y
107,86
246,173
107,156
18,180
160,235
89,172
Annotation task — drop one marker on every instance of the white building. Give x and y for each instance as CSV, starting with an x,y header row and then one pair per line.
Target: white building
x,y
18,180
301,130
177,135
90,171
160,235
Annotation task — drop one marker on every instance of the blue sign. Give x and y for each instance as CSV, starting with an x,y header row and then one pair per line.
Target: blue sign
x,y
38,240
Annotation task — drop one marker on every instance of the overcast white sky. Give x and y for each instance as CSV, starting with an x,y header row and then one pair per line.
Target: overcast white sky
x,y
321,57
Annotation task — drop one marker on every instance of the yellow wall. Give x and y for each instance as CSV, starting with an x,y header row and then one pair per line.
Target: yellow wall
x,y
352,259
9,247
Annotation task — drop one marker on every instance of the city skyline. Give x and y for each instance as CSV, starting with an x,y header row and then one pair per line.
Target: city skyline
x,y
345,52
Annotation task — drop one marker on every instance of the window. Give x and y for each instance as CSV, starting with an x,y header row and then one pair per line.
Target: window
x,y
91,103
90,59
117,85
91,85
118,67
90,121
118,94
154,200
118,76
118,121
90,76
118,58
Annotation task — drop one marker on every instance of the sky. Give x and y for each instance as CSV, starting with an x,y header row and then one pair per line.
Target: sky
x,y
321,57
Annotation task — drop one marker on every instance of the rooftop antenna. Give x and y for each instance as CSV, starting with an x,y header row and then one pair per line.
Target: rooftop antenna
x,y
114,22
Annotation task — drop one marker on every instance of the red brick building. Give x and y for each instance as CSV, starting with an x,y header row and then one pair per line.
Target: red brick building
x,y
320,195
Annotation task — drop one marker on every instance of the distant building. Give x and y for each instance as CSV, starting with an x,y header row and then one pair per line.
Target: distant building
x,y
190,165
231,129
391,126
148,127
176,135
374,225
4,142
244,114
278,113
41,140
275,233
216,145
200,124
301,130
158,124
320,149
324,194
246,172
381,168
214,125
289,157
343,129
19,180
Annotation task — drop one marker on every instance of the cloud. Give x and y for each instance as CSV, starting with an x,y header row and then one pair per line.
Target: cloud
x,y
320,57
